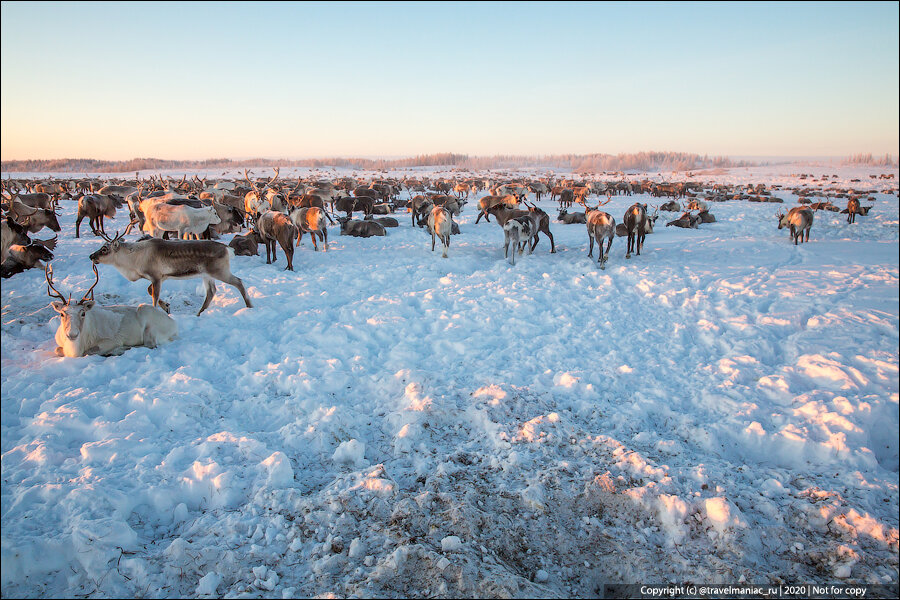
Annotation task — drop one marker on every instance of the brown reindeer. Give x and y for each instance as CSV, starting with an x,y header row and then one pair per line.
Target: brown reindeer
x,y
157,260
275,227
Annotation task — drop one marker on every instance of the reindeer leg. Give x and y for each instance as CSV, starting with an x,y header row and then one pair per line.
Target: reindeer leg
x,y
154,289
231,280
591,246
289,253
210,292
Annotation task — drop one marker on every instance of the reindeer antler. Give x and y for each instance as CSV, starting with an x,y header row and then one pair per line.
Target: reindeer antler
x,y
252,185
91,290
48,274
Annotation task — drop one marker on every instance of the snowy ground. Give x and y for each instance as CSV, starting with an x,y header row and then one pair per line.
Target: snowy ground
x,y
388,423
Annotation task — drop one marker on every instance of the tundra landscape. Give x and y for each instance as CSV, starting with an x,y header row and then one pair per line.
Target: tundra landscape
x,y
386,422
556,362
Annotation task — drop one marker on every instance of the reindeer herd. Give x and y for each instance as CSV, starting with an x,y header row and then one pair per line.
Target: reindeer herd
x,y
278,213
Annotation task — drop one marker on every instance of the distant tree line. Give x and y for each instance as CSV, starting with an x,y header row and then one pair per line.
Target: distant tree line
x,y
639,161
869,160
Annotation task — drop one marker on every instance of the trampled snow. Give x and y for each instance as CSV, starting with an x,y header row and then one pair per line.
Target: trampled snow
x,y
385,423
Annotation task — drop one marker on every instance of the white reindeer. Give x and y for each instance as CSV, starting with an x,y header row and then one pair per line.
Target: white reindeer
x,y
88,328
440,223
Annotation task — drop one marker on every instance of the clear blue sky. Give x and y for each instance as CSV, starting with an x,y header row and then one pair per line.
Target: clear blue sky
x,y
183,80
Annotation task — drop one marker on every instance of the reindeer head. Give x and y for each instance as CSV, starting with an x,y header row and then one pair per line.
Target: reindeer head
x,y
782,220
108,250
72,315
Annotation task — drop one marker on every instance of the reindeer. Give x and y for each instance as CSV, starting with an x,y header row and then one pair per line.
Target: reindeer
x,y
157,260
462,189
799,219
687,220
35,200
88,328
275,227
357,228
600,226
569,218
517,232
348,204
245,245
96,208
13,234
256,200
566,198
637,225
852,209
23,257
33,219
670,206
440,224
485,204
312,220
313,200
182,218
420,206
541,222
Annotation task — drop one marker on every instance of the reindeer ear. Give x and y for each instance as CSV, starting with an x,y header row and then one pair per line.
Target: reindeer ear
x,y
58,306
87,304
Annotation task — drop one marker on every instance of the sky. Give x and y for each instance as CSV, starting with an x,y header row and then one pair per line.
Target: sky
x,y
185,80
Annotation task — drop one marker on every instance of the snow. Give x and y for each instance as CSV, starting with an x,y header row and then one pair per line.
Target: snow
x,y
385,422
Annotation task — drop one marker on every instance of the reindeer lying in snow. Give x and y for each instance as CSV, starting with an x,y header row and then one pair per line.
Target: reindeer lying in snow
x,y
88,328
570,218
357,228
